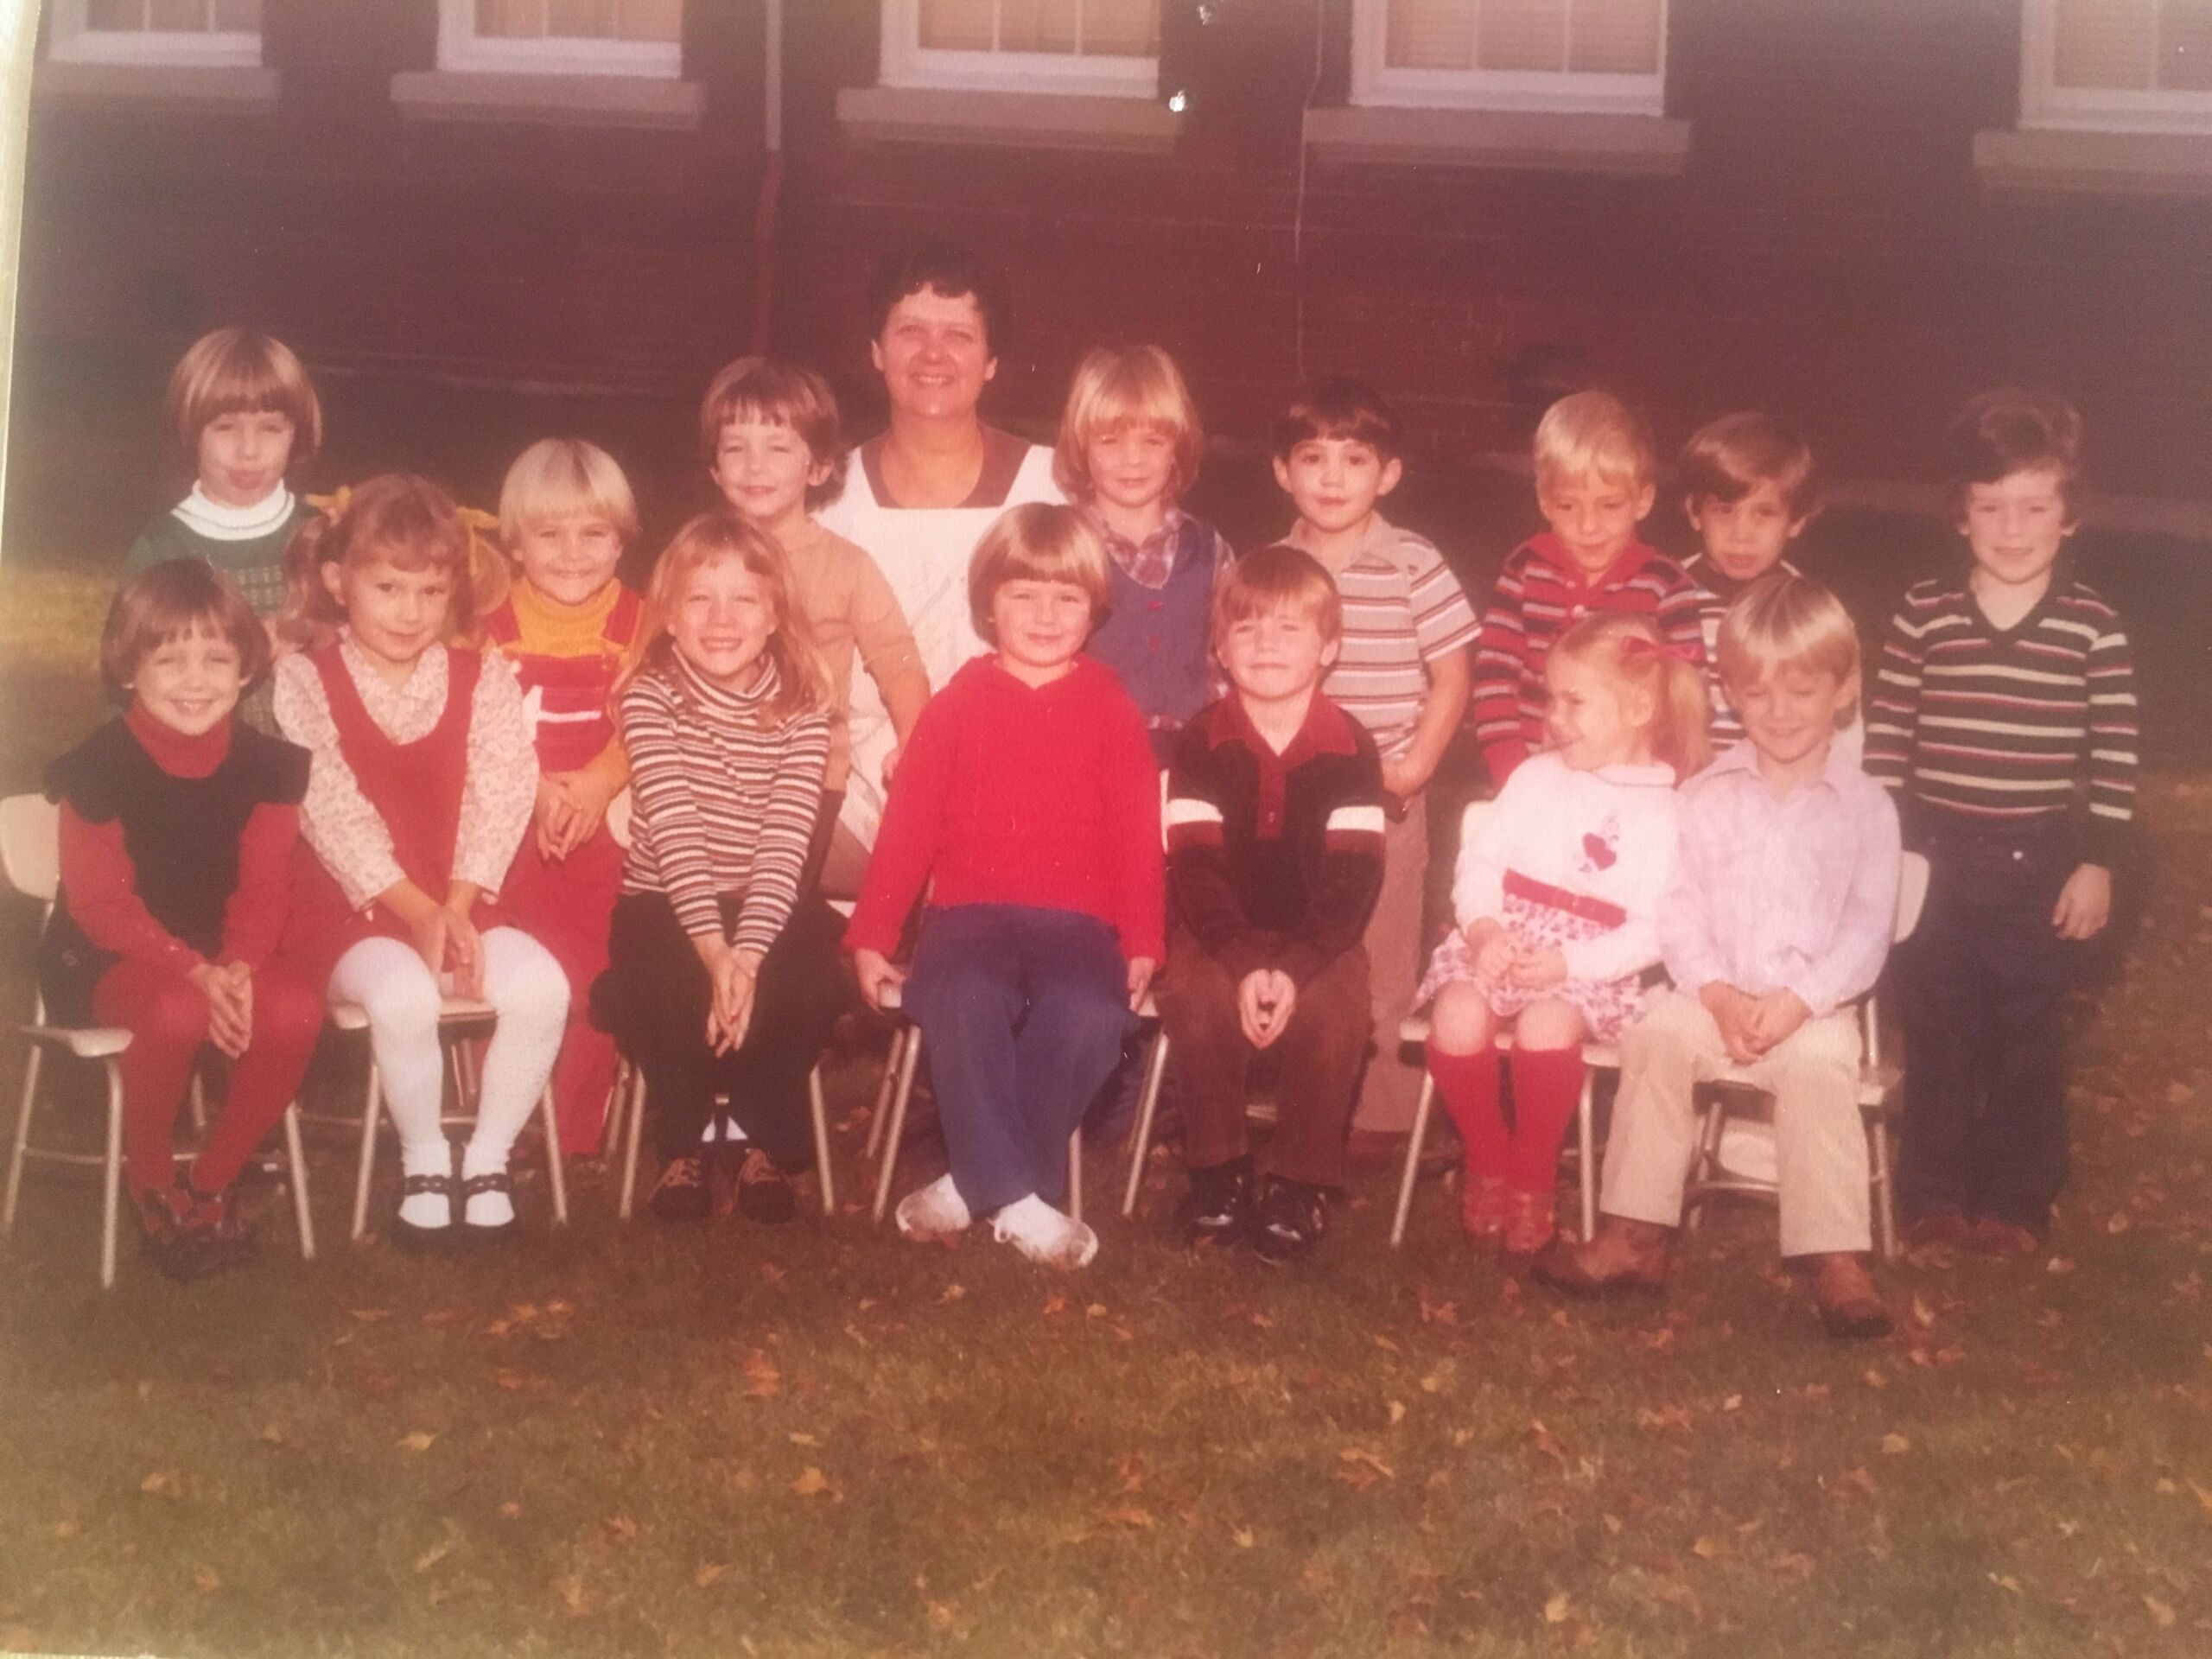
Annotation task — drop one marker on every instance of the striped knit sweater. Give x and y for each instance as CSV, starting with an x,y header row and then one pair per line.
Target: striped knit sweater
x,y
1541,593
719,806
2007,729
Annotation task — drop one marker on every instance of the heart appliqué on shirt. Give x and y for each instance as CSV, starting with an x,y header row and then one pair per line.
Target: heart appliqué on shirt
x,y
1599,853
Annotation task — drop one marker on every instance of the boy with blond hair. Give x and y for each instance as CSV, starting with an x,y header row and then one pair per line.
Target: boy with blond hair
x,y
1776,919
1749,489
1595,484
1274,856
1401,671
1128,452
2004,720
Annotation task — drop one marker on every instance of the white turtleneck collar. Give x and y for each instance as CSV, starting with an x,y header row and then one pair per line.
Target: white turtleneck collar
x,y
208,517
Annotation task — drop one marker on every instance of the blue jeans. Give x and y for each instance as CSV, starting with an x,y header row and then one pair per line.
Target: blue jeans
x,y
1022,1012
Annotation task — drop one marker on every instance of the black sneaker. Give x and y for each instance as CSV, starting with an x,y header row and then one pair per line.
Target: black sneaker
x,y
1289,1220
1218,1202
180,1250
764,1193
682,1193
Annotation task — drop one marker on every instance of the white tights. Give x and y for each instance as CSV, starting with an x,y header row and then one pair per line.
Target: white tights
x,y
397,990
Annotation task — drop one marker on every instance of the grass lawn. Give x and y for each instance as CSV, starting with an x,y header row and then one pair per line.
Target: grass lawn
x,y
819,1440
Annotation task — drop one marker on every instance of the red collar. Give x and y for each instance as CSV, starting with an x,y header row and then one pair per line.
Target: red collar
x,y
1327,730
1633,558
173,751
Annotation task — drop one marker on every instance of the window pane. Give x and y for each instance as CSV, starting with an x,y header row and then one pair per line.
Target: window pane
x,y
125,16
580,20
958,25
511,20
1616,37
2108,43
238,17
180,16
1521,35
1038,25
652,19
1431,35
1121,28
2185,46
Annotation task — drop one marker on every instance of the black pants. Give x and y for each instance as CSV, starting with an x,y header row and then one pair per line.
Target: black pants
x,y
654,997
1981,983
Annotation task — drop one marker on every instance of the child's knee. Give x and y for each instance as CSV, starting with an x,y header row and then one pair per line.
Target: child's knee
x,y
171,1015
286,1008
1460,1022
523,980
1550,1026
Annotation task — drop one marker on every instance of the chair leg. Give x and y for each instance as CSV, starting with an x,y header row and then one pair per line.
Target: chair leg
x,y
23,1137
883,1092
199,1104
298,1156
1155,1069
365,1167
895,1126
1413,1159
111,1175
554,1163
635,1133
1074,1175
1885,1206
1710,1128
824,1177
1585,1134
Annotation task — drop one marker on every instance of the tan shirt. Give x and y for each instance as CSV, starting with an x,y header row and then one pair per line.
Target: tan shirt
x,y
853,610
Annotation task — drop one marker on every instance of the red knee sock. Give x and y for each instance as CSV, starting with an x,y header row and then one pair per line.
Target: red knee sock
x,y
1469,1085
1547,1087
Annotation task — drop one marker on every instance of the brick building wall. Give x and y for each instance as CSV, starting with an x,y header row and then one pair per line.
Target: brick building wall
x,y
1827,252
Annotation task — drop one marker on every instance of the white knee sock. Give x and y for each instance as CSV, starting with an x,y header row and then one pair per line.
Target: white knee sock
x,y
523,982
392,986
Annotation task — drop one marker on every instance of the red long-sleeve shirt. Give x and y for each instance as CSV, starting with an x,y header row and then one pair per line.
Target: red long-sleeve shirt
x,y
1013,794
102,884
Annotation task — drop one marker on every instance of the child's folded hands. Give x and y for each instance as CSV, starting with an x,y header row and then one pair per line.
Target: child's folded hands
x,y
1265,1000
229,991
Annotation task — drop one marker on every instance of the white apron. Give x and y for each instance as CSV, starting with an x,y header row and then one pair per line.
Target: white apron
x,y
923,553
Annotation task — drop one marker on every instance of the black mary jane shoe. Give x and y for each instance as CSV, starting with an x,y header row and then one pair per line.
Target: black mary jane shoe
x,y
497,1182
180,1251
421,1240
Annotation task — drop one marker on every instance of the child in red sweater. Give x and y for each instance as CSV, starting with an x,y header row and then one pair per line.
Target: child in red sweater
x,y
1028,796
178,824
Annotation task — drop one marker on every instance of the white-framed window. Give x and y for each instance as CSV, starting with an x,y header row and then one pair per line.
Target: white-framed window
x,y
1567,56
2126,65
210,34
1109,47
562,37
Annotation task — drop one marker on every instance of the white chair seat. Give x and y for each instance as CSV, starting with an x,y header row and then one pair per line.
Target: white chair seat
x,y
453,1011
85,1042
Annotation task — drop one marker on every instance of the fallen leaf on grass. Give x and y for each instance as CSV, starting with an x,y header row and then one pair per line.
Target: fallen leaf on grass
x,y
1896,1445
771,1274
952,1292
271,1435
510,1510
1665,1417
370,1315
1557,1610
619,1527
206,1579
573,1599
1360,1456
436,1553
2161,1614
64,1529
1922,1315
1793,1566
811,1482
420,1440
1245,1537
706,1576
797,1439
1877,1379
1134,1516
1707,1549
163,1483
762,1379
2202,1497
2059,1264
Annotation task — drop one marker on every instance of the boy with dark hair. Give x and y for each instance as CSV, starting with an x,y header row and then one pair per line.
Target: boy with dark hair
x,y
1275,852
2003,719
1402,672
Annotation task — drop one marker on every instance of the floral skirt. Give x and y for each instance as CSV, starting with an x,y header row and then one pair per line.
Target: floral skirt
x,y
1606,1005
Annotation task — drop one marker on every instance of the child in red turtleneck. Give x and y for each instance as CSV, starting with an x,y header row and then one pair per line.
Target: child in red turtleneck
x,y
177,831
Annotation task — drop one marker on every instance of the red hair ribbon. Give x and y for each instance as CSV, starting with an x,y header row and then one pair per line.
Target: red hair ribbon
x,y
1638,645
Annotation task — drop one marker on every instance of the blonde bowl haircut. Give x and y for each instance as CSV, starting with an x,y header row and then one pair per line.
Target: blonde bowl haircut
x,y
722,536
1634,653
555,477
1781,623
1277,578
1037,542
239,371
1594,434
1116,387
778,394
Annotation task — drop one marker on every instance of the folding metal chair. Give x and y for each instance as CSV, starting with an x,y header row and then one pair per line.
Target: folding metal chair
x,y
30,857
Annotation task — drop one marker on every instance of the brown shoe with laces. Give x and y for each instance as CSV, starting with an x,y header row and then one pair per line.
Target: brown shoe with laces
x,y
1995,1237
681,1192
1625,1255
763,1191
1851,1308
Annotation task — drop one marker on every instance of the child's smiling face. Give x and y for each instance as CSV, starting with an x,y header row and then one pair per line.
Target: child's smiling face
x,y
1594,719
190,681
1039,626
2018,526
1593,517
1791,712
1746,538
243,455
721,619
1131,465
393,613
1276,654
764,469
569,557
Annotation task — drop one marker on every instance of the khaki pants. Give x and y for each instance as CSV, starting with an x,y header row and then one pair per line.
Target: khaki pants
x,y
1391,1089
1820,1138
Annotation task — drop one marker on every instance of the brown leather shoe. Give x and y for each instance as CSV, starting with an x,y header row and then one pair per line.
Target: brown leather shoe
x,y
1994,1237
1941,1227
1625,1255
1851,1308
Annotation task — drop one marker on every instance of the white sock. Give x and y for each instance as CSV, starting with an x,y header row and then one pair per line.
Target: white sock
x,y
485,1209
1043,1234
427,1210
729,1134
934,1211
